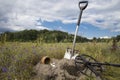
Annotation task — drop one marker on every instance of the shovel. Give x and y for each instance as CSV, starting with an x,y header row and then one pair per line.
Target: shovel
x,y
71,53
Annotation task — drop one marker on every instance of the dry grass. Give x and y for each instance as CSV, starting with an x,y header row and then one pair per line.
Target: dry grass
x,y
17,59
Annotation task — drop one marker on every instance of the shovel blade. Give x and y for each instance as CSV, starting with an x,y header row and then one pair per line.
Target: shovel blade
x,y
68,54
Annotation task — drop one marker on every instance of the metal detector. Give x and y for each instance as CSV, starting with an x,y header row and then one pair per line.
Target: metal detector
x,y
71,53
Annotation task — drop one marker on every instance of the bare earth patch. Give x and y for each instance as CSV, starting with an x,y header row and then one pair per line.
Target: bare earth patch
x,y
63,70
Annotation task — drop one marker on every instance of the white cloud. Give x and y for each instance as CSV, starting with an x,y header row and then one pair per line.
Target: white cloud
x,y
104,14
18,14
41,28
105,37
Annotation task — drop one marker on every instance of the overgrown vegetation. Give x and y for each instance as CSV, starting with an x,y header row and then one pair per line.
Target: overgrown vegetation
x,y
21,51
17,59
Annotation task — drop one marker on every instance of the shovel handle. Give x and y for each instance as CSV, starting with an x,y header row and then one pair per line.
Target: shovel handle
x,y
85,5
82,7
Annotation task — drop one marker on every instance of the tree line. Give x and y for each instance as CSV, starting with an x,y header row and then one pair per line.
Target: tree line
x,y
46,36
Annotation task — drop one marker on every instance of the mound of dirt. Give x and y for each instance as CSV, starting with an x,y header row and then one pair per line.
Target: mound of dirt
x,y
63,70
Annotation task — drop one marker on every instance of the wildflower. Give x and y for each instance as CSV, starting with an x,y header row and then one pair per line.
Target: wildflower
x,y
4,69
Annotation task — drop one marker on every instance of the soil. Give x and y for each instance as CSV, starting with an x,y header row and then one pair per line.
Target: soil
x,y
63,70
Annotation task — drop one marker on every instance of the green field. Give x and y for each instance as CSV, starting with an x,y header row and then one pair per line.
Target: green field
x,y
18,59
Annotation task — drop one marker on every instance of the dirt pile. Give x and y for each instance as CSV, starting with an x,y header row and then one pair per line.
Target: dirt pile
x,y
63,70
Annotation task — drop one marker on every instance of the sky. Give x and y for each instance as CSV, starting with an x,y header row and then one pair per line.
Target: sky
x,y
101,18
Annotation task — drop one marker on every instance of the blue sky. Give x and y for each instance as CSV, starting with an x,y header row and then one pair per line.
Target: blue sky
x,y
100,19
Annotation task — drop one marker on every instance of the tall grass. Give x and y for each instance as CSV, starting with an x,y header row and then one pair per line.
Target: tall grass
x,y
18,59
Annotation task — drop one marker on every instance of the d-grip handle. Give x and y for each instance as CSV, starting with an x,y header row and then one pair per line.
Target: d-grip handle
x,y
83,5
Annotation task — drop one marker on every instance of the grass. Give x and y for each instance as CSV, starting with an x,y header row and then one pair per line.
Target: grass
x,y
17,59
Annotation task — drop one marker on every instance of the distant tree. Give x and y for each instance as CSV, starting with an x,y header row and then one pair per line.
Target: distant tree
x,y
114,44
94,40
3,38
98,40
118,38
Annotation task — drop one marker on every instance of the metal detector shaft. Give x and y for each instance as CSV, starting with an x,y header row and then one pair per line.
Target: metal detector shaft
x,y
107,64
78,23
